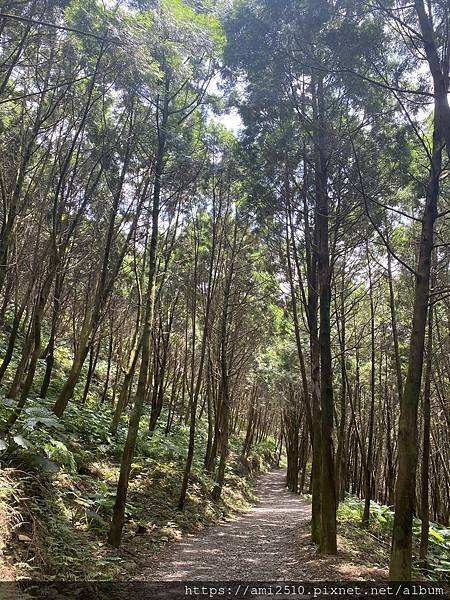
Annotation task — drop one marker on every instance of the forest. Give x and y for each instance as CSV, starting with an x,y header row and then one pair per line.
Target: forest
x,y
224,271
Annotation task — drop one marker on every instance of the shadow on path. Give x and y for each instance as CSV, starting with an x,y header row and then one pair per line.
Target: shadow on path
x,y
260,545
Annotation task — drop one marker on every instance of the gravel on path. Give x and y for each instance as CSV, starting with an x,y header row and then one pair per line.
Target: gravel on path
x,y
259,545
271,542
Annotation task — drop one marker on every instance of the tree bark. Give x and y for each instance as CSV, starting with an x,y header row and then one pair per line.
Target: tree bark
x,y
118,518
425,467
328,544
401,553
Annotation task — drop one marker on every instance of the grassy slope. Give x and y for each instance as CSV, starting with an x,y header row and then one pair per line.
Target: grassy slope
x,y
59,478
376,539
59,521
363,553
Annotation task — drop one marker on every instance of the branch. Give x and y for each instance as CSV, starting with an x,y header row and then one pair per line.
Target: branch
x,y
377,229
62,27
49,89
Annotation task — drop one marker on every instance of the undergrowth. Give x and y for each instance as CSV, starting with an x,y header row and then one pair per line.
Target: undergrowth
x,y
63,475
350,514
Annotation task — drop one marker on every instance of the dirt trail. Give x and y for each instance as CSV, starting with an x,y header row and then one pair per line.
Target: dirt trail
x,y
258,545
268,543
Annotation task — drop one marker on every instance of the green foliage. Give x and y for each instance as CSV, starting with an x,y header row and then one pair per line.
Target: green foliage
x,y
382,520
58,452
438,549
266,450
76,459
32,437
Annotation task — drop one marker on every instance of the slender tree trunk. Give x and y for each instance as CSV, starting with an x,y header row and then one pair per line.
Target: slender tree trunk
x,y
312,281
12,338
108,368
398,368
224,386
93,356
340,454
118,518
401,553
203,349
369,457
328,544
425,467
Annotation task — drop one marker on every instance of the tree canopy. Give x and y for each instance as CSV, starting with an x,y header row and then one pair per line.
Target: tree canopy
x,y
282,290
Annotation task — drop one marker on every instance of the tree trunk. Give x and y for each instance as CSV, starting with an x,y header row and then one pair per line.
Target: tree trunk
x,y
369,456
401,553
328,543
425,482
118,518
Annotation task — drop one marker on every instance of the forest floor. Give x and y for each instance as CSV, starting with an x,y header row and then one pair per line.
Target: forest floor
x,y
270,542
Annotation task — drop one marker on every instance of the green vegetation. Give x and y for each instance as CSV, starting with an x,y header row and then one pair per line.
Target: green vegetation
x,y
377,537
183,303
60,488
